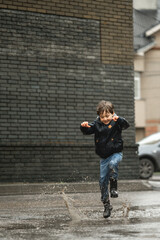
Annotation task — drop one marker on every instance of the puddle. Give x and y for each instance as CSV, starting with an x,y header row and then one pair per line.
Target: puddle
x,y
80,216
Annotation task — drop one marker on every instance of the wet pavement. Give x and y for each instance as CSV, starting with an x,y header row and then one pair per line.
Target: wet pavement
x,y
62,215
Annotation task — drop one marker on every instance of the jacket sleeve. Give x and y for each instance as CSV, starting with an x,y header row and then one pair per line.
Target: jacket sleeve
x,y
123,123
88,131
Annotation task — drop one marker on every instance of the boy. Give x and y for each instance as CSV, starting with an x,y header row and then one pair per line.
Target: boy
x,y
107,130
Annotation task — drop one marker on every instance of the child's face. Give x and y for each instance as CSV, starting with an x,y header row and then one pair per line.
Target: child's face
x,y
106,117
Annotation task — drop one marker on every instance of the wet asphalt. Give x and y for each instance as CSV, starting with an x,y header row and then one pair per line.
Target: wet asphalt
x,y
62,215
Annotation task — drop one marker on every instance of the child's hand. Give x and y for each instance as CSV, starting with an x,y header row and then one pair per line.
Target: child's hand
x,y
115,118
85,124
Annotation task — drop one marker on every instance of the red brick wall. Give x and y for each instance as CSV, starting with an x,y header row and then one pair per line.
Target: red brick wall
x,y
151,126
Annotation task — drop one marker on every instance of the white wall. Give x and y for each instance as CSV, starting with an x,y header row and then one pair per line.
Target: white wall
x,y
145,4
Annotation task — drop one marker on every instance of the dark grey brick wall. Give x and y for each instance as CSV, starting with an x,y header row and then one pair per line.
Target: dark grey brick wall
x,y
57,163
52,78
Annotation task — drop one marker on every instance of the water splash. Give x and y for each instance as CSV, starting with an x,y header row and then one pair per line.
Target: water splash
x,y
126,209
75,213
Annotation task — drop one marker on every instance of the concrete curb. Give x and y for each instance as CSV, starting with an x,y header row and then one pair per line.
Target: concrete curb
x,y
80,187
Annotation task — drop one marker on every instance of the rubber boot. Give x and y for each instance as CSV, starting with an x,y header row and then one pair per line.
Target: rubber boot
x,y
107,209
113,188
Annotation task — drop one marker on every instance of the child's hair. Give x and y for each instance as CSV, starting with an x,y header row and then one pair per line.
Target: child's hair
x,y
105,106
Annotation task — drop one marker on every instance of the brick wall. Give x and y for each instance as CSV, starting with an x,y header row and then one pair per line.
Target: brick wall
x,y
151,128
114,16
58,60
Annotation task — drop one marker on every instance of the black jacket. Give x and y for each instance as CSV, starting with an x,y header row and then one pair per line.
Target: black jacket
x,y
108,139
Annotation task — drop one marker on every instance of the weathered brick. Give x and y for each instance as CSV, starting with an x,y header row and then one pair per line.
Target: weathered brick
x,y
55,69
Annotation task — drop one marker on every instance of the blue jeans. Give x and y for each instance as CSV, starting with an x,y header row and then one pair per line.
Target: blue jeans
x,y
108,169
